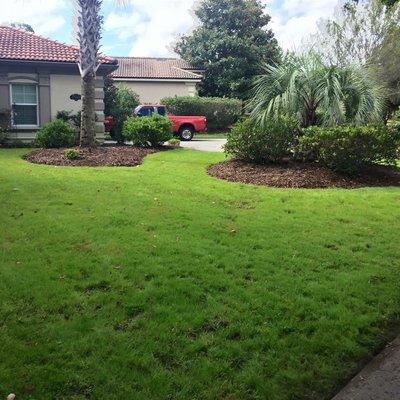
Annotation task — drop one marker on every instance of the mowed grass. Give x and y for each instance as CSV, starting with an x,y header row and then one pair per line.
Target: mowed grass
x,y
160,282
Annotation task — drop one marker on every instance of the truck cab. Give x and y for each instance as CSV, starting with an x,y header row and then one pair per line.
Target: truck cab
x,y
182,126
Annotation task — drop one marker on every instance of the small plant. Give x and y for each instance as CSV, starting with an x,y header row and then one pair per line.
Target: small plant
x,y
347,149
148,131
270,143
72,154
56,134
174,142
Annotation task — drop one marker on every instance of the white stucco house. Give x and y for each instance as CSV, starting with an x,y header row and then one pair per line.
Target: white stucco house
x,y
40,76
155,78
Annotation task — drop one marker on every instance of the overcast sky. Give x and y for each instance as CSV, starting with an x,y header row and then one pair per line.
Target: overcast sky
x,y
148,27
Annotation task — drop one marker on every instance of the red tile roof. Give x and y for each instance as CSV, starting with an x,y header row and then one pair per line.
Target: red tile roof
x,y
17,44
154,68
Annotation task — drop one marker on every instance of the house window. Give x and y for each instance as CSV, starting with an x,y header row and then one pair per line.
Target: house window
x,y
24,103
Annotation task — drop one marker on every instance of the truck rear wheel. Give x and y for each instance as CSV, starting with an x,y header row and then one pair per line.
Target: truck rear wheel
x,y
186,133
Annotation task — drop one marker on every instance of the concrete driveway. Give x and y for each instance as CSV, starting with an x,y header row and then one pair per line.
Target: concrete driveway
x,y
205,144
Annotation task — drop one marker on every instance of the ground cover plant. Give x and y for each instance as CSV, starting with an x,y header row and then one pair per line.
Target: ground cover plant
x,y
162,282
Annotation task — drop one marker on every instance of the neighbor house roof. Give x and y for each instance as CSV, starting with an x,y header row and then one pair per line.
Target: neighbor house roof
x,y
17,44
154,68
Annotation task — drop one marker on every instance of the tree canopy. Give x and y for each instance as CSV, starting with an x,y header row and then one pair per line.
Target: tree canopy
x,y
230,43
23,25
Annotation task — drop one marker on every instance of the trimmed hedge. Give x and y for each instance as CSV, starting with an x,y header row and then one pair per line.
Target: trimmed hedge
x,y
56,134
347,149
221,113
269,143
147,131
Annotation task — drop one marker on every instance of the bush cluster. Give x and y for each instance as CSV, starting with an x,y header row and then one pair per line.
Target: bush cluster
x,y
5,120
347,149
221,113
126,100
270,143
56,134
147,131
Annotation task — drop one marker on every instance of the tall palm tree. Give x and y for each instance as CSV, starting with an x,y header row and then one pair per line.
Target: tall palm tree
x,y
303,86
88,33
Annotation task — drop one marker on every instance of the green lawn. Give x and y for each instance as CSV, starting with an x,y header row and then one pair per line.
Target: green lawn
x,y
210,135
160,282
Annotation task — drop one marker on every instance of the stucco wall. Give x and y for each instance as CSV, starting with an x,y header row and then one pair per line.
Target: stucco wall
x,y
61,87
153,92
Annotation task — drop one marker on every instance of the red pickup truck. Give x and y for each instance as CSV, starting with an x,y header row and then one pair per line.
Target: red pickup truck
x,y
182,126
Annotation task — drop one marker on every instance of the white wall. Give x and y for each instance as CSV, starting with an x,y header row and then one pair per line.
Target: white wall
x,y
153,92
61,87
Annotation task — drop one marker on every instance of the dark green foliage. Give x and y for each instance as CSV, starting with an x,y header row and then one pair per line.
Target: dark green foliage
x,y
270,143
22,25
70,117
110,95
147,131
220,112
72,154
347,149
56,134
121,107
5,120
231,42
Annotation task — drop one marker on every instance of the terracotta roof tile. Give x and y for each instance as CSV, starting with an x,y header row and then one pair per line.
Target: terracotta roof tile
x,y
17,44
154,68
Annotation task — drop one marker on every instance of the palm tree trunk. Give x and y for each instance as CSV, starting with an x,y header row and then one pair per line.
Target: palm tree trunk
x,y
88,117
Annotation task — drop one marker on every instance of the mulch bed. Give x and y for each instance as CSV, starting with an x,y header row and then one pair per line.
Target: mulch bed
x,y
116,156
302,175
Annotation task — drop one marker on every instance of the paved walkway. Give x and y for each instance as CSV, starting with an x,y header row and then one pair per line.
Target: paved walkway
x,y
379,380
205,144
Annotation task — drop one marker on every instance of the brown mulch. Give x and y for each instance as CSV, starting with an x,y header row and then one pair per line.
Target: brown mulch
x,y
116,156
302,175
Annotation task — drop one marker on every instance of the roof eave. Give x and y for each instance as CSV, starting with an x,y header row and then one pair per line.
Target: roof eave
x,y
170,79
106,67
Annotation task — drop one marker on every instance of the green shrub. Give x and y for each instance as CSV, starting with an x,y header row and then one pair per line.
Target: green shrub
x,y
72,154
69,116
56,134
394,121
221,113
174,142
125,102
347,149
5,121
147,131
270,143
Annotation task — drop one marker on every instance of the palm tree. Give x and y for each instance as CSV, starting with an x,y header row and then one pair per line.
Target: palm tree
x,y
88,33
303,86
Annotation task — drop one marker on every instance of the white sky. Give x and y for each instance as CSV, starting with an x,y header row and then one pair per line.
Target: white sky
x,y
148,27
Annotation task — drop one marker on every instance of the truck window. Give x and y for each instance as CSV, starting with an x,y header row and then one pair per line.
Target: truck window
x,y
145,111
161,110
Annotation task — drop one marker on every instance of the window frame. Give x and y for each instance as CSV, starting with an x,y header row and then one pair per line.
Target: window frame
x,y
25,126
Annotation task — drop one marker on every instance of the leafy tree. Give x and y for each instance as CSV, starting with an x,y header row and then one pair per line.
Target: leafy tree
x,y
110,95
22,25
365,32
306,88
355,32
121,107
232,40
